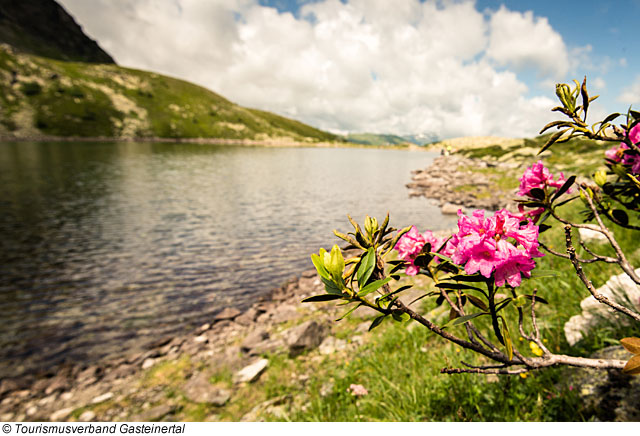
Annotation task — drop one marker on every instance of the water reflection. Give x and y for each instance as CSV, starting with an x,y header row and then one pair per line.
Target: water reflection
x,y
105,246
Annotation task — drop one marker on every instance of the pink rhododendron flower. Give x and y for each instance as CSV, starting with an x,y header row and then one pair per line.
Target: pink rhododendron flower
x,y
617,154
411,244
538,177
357,390
501,245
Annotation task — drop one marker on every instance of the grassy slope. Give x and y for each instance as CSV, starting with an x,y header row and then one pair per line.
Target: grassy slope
x,y
76,99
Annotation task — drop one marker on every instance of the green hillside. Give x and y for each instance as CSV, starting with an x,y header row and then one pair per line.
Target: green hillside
x,y
376,139
44,97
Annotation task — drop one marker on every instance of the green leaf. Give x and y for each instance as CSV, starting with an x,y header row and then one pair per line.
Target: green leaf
x,y
552,139
318,262
536,193
564,188
348,312
336,263
447,285
469,278
477,302
620,216
632,345
373,286
538,299
400,316
443,257
610,118
323,297
376,322
504,303
635,115
633,366
507,339
463,319
367,265
330,286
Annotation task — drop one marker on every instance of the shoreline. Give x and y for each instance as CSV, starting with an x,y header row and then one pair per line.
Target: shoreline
x,y
211,141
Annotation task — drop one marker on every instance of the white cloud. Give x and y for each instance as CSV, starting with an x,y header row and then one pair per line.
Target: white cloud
x,y
522,41
631,94
358,66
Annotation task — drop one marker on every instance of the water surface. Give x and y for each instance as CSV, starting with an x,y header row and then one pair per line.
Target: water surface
x,y
105,246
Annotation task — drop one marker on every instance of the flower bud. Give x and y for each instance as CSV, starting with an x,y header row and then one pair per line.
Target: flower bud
x,y
600,177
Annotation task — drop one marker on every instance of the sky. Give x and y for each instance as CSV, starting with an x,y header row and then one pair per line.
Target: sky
x,y
435,69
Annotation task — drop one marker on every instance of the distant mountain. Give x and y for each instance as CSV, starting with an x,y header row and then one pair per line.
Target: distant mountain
x,y
44,28
378,139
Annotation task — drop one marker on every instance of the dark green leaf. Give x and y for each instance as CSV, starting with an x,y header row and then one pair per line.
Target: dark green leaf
x,y
367,265
447,285
610,118
400,316
323,297
330,286
635,115
469,278
620,216
564,188
348,312
538,299
373,286
552,140
543,273
543,228
463,319
504,303
554,124
376,322
477,302
536,193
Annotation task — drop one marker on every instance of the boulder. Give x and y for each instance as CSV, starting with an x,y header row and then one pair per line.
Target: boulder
x,y
304,337
228,313
283,313
607,395
61,414
199,390
619,288
251,372
588,235
248,317
254,338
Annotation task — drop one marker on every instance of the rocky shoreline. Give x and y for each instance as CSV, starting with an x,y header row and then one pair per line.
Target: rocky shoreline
x,y
456,182
233,340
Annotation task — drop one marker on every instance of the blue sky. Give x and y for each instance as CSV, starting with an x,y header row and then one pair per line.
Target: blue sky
x,y
438,68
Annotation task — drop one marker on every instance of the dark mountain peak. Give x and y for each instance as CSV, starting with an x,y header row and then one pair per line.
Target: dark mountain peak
x,y
44,28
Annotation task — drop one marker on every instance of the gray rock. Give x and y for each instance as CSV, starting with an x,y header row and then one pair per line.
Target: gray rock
x,y
155,413
254,338
608,395
273,345
251,372
588,235
199,390
331,344
248,317
284,313
227,314
57,384
304,337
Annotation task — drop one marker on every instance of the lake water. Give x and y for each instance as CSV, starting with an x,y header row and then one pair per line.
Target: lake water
x,y
106,246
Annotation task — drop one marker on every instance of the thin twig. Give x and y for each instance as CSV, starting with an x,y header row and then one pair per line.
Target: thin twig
x,y
571,251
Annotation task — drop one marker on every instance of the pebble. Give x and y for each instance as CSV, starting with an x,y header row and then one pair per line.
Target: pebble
x,y
87,415
102,398
251,372
148,363
61,414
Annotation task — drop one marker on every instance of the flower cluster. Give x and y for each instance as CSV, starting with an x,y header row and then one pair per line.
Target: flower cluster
x,y
500,245
617,152
411,244
538,177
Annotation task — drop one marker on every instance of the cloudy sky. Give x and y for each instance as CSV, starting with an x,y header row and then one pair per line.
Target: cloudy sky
x,y
437,68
